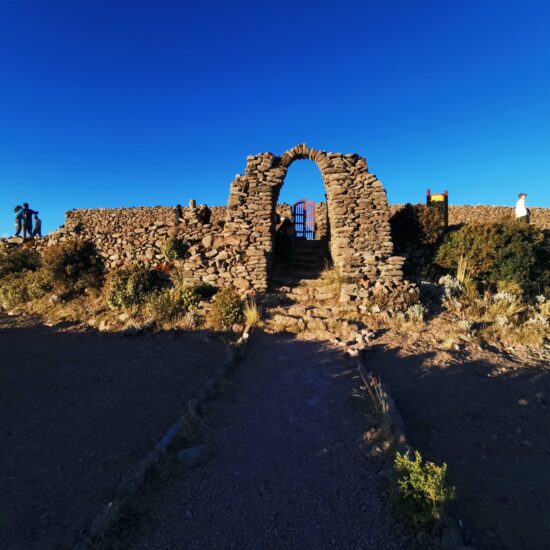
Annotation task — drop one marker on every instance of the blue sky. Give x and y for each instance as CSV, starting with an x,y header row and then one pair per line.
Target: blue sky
x,y
127,103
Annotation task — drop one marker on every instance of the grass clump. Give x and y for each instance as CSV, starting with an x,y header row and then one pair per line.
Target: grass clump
x,y
174,249
421,489
172,304
130,286
74,265
22,287
18,260
227,309
252,314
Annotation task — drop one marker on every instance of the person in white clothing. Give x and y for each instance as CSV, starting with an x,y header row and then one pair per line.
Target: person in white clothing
x,y
522,212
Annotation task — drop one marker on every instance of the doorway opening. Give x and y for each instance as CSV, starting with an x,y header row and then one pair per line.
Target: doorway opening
x,y
301,247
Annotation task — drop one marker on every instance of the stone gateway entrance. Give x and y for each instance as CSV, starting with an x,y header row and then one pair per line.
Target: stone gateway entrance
x,y
358,213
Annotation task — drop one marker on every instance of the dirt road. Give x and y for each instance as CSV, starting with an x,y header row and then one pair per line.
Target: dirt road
x,y
286,470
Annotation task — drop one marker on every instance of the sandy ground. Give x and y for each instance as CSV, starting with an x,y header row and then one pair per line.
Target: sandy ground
x,y
486,413
78,409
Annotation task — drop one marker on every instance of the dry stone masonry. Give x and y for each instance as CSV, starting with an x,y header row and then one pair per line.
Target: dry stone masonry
x,y
358,214
461,214
236,248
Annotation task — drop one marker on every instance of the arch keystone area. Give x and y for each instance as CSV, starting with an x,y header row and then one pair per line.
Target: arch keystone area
x,y
358,212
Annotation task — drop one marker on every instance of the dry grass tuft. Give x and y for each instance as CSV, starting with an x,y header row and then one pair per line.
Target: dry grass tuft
x,y
463,271
252,314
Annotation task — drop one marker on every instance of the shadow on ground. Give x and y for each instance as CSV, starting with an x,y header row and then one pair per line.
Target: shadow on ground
x,y
78,409
489,421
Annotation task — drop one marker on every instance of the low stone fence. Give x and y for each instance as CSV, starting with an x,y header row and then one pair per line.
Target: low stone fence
x,y
460,214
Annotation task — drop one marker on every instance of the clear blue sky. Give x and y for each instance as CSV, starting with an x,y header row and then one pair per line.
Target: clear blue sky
x,y
125,103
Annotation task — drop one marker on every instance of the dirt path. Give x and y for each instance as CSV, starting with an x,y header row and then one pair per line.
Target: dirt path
x,y
77,410
286,470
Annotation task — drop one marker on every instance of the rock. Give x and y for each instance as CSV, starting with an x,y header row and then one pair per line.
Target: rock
x,y
103,326
54,299
123,317
194,456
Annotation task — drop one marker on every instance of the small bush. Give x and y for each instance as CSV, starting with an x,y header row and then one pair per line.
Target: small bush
x,y
19,260
498,252
20,288
130,286
174,249
74,264
173,304
227,309
503,307
421,489
417,225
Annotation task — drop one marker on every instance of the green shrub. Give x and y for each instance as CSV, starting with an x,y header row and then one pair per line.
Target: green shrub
x,y
498,252
74,264
421,489
172,304
174,249
22,287
417,225
130,286
227,309
18,260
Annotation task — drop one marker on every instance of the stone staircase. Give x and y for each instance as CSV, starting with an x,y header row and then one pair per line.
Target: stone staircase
x,y
304,300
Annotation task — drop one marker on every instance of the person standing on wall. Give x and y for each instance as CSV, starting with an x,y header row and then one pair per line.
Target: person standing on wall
x,y
27,219
18,219
178,214
522,212
37,229
205,214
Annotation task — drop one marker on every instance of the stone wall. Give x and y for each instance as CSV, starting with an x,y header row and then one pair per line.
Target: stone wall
x,y
459,214
358,211
237,247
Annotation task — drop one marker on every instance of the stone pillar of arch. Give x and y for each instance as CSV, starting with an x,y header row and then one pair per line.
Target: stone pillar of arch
x,y
359,215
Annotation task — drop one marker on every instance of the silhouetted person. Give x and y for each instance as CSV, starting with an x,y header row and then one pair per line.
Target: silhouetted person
x,y
178,214
522,212
37,229
27,219
205,214
18,219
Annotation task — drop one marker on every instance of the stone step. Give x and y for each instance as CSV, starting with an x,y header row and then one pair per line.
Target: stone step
x,y
310,244
352,333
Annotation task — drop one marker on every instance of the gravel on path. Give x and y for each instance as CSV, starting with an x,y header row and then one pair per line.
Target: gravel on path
x,y
286,470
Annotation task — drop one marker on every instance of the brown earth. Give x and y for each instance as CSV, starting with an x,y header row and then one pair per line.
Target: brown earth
x,y
486,413
79,408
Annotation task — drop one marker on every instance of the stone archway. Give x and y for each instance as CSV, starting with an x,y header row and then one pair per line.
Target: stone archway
x,y
361,245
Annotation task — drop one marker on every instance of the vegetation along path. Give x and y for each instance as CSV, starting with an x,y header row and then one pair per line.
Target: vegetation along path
x,y
286,469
